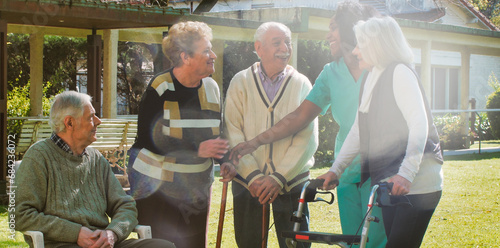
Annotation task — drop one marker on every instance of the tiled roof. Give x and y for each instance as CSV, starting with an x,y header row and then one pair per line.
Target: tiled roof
x,y
480,15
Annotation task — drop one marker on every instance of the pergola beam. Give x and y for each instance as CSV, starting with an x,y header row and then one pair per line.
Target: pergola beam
x,y
205,6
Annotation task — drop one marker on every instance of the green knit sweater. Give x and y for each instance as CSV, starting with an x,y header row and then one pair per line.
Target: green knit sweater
x,y
57,193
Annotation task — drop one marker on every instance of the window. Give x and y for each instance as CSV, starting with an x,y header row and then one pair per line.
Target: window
x,y
445,87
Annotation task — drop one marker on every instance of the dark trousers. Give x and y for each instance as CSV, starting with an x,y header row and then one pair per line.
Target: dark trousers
x,y
136,243
248,216
405,226
185,224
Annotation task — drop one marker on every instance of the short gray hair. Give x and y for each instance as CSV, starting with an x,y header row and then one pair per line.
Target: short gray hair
x,y
181,38
68,103
264,27
382,42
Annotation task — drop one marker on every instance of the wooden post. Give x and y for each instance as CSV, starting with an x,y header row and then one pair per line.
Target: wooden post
x,y
110,53
3,104
94,70
36,73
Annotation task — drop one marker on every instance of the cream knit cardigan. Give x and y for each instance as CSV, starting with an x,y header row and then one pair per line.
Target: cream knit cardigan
x,y
248,112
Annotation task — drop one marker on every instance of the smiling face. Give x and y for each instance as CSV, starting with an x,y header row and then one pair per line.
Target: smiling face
x,y
203,59
333,37
274,50
85,127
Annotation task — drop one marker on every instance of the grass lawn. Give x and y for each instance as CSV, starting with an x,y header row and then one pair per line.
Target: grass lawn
x,y
486,143
467,216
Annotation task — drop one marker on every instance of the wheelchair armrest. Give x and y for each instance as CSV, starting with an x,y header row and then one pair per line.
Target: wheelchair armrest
x,y
144,232
37,238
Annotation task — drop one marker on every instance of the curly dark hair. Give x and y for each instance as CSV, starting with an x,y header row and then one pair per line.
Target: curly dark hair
x,y
348,13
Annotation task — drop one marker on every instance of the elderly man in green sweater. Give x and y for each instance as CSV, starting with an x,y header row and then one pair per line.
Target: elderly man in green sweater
x,y
67,190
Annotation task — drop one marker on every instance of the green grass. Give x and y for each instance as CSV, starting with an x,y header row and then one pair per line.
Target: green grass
x,y
486,143
467,216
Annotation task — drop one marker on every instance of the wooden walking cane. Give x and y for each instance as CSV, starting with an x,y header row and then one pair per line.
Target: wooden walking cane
x,y
224,185
265,225
221,215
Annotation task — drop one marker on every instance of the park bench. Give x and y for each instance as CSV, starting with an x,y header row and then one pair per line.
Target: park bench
x,y
114,138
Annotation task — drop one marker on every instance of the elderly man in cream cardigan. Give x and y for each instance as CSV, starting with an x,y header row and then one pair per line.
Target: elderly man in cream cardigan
x,y
258,97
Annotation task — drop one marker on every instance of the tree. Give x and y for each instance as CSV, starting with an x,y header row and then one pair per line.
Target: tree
x,y
61,56
238,55
132,78
489,8
493,102
18,48
60,64
311,58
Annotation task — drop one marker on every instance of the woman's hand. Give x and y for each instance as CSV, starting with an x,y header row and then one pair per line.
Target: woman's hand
x,y
401,185
213,148
331,180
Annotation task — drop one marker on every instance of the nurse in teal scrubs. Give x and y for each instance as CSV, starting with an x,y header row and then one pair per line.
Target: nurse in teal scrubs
x,y
337,87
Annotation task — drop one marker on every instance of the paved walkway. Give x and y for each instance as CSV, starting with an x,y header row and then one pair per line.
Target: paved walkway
x,y
470,151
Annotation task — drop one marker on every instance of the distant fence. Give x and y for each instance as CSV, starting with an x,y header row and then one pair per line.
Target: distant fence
x,y
472,119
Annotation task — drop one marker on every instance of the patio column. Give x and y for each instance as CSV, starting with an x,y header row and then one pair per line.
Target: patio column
x,y
110,54
94,69
36,73
426,70
464,93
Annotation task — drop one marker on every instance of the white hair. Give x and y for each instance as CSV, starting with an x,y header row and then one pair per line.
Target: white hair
x,y
382,42
68,103
264,27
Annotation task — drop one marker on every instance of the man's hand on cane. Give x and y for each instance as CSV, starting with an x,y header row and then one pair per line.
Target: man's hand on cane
x,y
227,172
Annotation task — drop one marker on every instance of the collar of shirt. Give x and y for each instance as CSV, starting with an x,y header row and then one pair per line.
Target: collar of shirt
x,y
370,83
271,86
63,145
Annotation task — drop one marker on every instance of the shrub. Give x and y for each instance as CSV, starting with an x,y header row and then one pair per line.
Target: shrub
x,y
483,127
448,127
328,130
18,105
494,117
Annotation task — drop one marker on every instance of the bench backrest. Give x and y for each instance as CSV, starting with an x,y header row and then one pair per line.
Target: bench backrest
x,y
32,130
114,137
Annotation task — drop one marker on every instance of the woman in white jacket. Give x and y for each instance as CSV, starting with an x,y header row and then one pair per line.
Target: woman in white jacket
x,y
393,132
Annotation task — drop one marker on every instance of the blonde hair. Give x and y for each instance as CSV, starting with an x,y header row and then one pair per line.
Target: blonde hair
x,y
381,42
181,38
68,103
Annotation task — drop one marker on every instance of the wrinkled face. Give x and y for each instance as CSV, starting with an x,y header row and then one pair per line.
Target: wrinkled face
x,y
333,37
274,50
362,63
203,60
86,127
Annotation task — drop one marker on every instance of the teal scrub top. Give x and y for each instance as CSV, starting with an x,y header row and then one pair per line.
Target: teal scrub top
x,y
335,87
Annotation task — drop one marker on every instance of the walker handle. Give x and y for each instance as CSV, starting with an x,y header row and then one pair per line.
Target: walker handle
x,y
317,183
